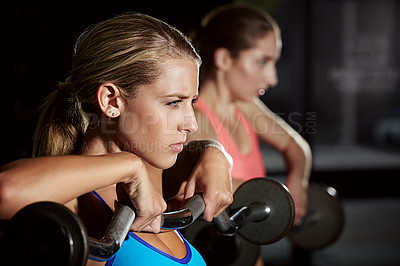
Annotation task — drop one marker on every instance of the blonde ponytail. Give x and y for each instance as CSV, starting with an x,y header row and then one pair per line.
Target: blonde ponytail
x,y
62,123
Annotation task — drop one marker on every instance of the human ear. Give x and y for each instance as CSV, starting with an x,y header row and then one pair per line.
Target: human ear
x,y
222,58
109,99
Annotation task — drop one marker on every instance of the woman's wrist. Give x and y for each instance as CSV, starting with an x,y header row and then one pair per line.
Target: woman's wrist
x,y
130,164
197,148
298,181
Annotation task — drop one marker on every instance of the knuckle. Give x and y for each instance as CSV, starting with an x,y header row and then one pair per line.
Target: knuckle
x,y
163,206
229,198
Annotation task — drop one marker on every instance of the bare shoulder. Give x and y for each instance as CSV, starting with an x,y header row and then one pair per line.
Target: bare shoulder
x,y
270,128
252,108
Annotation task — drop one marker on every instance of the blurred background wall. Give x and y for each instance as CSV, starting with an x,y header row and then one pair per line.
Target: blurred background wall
x,y
339,87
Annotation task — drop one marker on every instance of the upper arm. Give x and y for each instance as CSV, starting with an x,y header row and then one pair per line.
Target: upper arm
x,y
269,127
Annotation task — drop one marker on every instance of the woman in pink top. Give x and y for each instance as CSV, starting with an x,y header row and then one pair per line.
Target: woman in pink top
x,y
248,165
239,46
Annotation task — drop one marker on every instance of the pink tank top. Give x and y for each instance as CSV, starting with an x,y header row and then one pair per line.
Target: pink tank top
x,y
245,166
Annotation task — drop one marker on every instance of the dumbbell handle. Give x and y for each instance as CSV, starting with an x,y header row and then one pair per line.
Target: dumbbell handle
x,y
310,218
116,232
123,218
192,210
256,211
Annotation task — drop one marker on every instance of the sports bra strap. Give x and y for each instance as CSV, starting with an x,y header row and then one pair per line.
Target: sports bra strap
x,y
108,209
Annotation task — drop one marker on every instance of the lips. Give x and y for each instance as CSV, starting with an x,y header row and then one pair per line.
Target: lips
x,y
177,147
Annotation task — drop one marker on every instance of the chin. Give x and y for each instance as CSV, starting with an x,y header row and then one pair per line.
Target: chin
x,y
247,99
163,163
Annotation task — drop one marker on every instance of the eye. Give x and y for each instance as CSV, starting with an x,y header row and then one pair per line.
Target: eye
x,y
261,62
195,100
174,103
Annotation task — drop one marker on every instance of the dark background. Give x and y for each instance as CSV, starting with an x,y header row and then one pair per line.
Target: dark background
x,y
339,77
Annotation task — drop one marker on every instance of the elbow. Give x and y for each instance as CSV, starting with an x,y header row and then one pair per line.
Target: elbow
x,y
304,147
8,196
298,151
306,154
307,151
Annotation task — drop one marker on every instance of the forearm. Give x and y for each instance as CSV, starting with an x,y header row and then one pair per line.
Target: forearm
x,y
59,178
298,161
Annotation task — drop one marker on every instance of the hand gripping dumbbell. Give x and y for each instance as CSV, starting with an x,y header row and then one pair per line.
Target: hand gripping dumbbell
x,y
47,233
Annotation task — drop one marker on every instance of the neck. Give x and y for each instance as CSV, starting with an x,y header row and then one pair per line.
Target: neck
x,y
215,93
99,140
95,143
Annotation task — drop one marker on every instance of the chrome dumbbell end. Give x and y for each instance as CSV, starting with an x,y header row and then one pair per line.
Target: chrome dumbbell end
x,y
229,225
115,234
192,210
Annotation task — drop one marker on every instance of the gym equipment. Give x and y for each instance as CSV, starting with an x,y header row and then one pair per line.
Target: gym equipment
x,y
262,212
319,228
218,249
44,233
251,201
124,217
47,233
323,222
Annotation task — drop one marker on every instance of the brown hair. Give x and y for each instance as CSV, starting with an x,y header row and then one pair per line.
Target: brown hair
x,y
128,50
235,27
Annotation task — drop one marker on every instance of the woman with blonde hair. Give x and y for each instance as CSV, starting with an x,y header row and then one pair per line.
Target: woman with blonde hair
x,y
110,131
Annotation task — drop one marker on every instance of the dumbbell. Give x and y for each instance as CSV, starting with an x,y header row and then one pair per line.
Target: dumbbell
x,y
320,227
48,233
323,222
43,233
262,213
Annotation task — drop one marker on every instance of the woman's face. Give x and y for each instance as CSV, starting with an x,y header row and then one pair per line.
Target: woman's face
x,y
154,124
254,71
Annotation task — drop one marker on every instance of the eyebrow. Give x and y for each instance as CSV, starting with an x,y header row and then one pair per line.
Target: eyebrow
x,y
268,57
179,95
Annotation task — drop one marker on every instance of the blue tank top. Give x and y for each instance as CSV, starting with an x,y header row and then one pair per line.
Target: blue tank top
x,y
136,251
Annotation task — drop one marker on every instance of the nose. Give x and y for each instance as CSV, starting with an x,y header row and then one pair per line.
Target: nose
x,y
271,77
189,123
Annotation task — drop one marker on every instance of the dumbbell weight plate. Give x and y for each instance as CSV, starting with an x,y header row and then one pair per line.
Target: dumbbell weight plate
x,y
278,199
46,233
217,249
326,222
